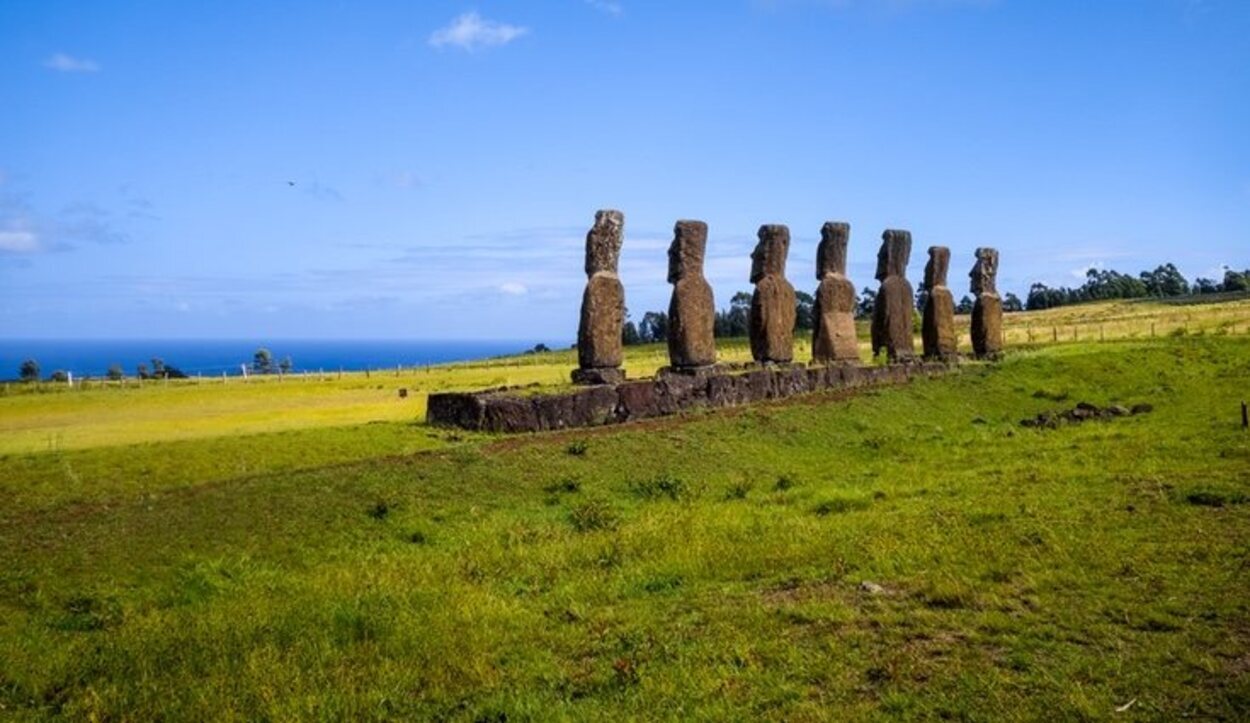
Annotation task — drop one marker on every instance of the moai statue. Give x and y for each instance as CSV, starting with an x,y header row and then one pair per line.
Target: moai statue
x,y
603,304
834,311
938,327
771,322
891,317
987,310
691,312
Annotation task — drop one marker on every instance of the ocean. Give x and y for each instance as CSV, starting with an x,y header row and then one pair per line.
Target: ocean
x,y
211,357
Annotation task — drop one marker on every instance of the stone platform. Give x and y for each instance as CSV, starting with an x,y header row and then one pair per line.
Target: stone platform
x,y
511,410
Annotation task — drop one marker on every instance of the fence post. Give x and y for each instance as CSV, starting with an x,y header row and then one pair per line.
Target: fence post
x,y
1054,330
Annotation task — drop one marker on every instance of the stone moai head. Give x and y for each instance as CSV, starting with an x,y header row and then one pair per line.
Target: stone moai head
x,y
831,253
685,255
984,273
603,242
939,264
769,256
894,254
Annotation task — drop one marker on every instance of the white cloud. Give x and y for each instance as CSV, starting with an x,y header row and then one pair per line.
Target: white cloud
x,y
1083,271
470,31
513,289
65,63
606,6
18,242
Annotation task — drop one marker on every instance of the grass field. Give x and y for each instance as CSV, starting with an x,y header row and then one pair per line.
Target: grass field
x,y
310,549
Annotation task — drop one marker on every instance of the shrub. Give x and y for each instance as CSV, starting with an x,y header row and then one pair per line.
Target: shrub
x,y
577,448
593,515
663,486
29,371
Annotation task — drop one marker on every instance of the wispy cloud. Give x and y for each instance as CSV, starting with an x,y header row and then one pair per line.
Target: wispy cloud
x,y
18,241
471,31
25,232
512,288
65,63
606,6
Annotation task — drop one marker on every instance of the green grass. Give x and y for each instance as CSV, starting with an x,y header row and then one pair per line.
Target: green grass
x,y
707,567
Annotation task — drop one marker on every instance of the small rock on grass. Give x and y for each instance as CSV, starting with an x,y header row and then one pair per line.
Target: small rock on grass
x,y
871,588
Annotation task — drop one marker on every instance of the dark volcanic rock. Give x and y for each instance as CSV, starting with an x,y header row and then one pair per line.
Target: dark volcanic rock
x,y
692,310
833,315
987,309
603,303
938,325
892,315
773,303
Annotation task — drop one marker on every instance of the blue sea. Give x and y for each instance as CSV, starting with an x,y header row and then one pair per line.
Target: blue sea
x,y
211,357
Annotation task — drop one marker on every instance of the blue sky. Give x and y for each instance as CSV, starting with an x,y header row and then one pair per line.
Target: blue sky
x,y
447,157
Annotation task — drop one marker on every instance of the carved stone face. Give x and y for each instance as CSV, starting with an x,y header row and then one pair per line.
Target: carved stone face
x,y
984,272
831,253
685,254
894,254
939,264
769,256
603,242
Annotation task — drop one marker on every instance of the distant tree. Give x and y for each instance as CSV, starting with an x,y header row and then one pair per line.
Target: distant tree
x,y
867,302
629,333
141,371
1236,280
653,327
158,368
60,375
115,372
733,322
803,306
1206,286
538,348
1166,280
169,371
262,361
1011,303
965,305
286,366
29,371
922,294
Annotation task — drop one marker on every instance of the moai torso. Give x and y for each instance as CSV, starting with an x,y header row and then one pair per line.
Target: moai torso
x,y
833,339
603,303
773,303
892,313
692,311
938,327
987,310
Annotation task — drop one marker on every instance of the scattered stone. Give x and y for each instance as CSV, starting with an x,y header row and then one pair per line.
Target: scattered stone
x,y
599,353
772,314
978,420
833,314
692,311
1081,412
938,319
987,309
1142,408
871,588
892,314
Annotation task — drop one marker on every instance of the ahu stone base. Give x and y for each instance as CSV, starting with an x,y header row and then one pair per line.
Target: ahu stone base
x,y
507,410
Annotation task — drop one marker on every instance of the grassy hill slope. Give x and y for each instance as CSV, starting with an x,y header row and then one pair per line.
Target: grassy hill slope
x,y
911,552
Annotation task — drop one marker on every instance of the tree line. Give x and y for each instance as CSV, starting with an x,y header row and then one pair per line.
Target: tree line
x,y
1164,281
262,363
